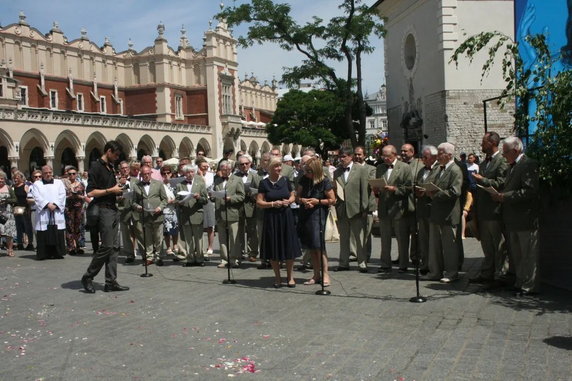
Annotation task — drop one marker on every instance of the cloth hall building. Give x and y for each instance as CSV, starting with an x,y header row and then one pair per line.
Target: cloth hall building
x,y
61,101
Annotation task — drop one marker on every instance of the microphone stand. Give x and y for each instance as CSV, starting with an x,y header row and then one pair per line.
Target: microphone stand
x,y
229,279
146,274
417,298
322,291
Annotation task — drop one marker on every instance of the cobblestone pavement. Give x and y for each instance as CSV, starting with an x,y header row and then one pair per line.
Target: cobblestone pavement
x,y
183,323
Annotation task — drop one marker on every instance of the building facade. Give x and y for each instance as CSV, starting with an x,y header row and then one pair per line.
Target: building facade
x,y
376,123
61,101
430,99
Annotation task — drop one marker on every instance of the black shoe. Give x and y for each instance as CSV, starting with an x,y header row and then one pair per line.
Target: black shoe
x,y
302,268
423,271
114,287
402,270
129,260
479,279
30,247
384,270
363,270
200,264
342,268
188,264
175,259
263,266
87,284
159,262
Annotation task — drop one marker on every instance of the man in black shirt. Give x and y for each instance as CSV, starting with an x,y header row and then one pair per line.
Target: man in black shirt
x,y
102,186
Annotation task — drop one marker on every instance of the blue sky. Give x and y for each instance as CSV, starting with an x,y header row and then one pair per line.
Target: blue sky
x,y
137,19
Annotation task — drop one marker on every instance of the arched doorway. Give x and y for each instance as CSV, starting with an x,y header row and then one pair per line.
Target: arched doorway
x,y
68,158
4,162
94,154
37,160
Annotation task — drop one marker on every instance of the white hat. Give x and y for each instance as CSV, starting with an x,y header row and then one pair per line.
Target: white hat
x,y
288,157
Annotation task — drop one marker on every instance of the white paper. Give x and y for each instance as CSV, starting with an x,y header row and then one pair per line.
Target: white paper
x,y
430,187
218,194
491,190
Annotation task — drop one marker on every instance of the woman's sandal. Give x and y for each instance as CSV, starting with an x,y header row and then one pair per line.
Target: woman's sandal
x,y
312,281
10,252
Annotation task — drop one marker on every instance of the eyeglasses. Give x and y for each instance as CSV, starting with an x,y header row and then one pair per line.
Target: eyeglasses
x,y
72,173
243,163
166,173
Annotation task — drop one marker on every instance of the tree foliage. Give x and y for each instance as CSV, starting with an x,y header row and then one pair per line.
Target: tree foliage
x,y
538,85
345,38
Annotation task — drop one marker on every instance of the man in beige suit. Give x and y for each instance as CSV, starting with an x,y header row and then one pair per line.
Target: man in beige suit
x,y
149,200
520,199
393,207
227,214
488,212
359,158
423,204
247,224
191,216
352,192
445,216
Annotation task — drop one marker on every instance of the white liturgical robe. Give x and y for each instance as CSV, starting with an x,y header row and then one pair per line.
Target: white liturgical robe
x,y
44,194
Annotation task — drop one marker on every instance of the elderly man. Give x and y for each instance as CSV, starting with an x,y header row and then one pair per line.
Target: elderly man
x,y
155,173
393,207
408,157
227,214
359,159
262,173
126,226
520,200
445,216
488,212
149,200
352,192
50,197
287,170
423,204
247,223
191,216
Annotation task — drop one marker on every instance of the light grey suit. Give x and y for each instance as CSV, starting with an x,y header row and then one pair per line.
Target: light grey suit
x,y
423,212
520,212
151,222
352,211
227,216
393,208
444,218
248,217
191,220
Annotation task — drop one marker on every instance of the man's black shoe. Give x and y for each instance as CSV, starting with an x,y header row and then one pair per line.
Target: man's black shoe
x,y
114,287
384,270
479,279
363,270
263,266
30,247
159,262
87,284
129,260
423,271
402,270
342,268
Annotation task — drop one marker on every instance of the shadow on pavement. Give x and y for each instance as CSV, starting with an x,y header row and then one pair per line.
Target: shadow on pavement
x,y
562,342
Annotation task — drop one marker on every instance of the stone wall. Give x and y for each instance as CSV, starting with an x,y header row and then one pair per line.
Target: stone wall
x,y
464,109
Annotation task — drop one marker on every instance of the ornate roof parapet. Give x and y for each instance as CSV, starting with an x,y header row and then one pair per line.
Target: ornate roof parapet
x,y
22,18
184,41
161,32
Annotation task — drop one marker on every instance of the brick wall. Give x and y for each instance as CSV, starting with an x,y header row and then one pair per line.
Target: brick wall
x,y
141,101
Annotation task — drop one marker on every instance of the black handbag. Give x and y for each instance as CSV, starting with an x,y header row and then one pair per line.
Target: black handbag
x,y
91,215
3,219
52,231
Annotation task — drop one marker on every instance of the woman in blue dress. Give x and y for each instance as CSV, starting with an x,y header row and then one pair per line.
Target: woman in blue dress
x,y
315,195
279,239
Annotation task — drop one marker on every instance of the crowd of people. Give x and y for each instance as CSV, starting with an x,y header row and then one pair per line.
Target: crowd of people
x,y
277,211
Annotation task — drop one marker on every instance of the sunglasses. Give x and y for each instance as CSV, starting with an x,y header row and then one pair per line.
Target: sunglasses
x,y
166,173
72,173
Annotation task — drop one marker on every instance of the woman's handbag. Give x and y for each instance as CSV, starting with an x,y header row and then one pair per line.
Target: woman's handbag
x,y
331,233
3,219
91,215
19,210
52,231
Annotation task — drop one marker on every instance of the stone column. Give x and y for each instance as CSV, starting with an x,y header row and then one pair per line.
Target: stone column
x,y
80,163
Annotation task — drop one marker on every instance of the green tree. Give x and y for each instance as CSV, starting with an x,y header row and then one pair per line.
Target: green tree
x,y
310,119
538,85
344,38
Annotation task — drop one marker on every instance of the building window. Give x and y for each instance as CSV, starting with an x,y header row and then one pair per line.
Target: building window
x,y
227,99
372,124
80,103
410,52
23,95
179,107
53,99
102,105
